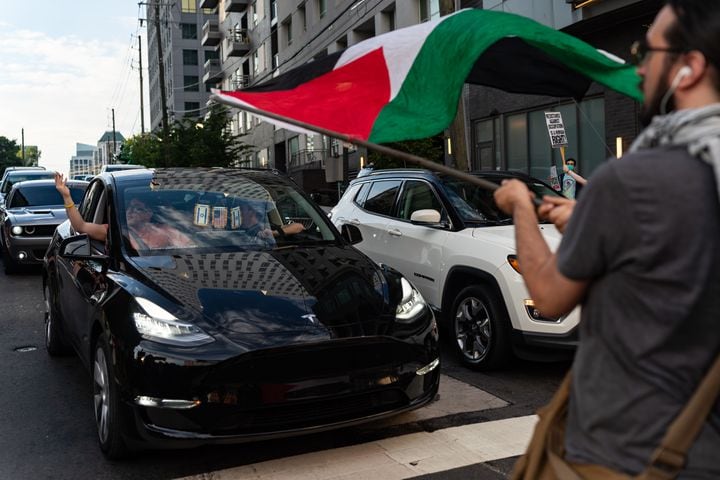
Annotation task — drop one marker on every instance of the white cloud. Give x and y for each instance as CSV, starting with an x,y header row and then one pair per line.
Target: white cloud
x,y
60,90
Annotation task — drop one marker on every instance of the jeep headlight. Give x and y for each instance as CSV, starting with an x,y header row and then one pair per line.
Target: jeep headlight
x,y
157,324
411,305
16,230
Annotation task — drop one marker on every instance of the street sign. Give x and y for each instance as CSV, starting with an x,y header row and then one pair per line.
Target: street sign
x,y
556,129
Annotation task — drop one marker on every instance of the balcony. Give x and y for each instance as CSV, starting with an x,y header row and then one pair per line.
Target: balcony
x,y
208,3
237,43
211,35
213,72
240,82
236,5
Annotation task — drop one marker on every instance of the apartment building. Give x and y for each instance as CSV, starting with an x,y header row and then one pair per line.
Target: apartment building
x,y
83,162
180,25
255,40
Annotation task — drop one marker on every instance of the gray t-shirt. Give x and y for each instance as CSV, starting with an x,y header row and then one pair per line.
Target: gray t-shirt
x,y
646,234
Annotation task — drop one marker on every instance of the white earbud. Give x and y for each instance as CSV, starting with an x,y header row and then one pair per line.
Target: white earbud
x,y
682,73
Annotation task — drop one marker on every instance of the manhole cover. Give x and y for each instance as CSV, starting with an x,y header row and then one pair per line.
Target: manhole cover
x,y
28,348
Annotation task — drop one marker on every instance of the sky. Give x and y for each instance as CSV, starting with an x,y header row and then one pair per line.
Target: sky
x,y
63,67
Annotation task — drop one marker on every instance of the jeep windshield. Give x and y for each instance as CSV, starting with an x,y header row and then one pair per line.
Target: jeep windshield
x,y
476,205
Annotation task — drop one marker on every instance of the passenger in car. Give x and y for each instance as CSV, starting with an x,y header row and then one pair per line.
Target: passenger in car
x,y
144,234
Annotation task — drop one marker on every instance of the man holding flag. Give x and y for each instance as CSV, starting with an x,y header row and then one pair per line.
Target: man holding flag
x,y
641,253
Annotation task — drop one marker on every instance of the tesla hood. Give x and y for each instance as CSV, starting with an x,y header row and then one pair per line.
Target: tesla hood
x,y
333,289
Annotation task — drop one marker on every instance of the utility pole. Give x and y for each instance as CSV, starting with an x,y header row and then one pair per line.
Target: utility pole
x,y
163,99
112,155
22,134
142,111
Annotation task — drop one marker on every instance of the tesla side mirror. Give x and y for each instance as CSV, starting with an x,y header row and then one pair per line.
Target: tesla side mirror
x,y
351,233
78,248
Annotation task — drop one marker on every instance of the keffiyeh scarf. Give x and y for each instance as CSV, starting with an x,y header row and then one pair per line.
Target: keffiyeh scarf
x,y
698,129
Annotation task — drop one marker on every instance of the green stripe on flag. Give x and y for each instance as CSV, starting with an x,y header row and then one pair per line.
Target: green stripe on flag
x,y
427,101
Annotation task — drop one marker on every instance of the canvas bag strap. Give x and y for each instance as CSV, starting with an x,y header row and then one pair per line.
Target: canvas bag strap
x,y
669,458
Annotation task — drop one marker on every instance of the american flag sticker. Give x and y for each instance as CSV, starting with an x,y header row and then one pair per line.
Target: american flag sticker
x,y
219,217
201,216
235,218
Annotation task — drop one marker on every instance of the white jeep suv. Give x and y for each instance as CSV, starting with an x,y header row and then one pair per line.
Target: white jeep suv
x,y
449,238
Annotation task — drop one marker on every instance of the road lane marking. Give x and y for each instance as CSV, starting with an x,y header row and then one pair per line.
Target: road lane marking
x,y
396,458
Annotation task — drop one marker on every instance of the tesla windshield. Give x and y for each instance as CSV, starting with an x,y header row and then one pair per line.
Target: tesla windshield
x,y
239,215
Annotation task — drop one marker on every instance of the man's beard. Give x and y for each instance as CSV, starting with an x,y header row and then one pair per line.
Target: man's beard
x,y
653,105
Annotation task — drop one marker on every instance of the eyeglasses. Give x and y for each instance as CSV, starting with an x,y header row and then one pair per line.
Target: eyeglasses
x,y
640,48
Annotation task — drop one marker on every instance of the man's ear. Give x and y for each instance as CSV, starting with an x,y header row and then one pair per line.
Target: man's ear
x,y
696,68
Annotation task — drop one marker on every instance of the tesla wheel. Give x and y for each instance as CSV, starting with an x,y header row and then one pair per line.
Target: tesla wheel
x,y
55,343
480,328
106,400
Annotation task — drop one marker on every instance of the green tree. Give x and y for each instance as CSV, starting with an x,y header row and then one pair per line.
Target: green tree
x,y
8,154
188,143
32,155
430,148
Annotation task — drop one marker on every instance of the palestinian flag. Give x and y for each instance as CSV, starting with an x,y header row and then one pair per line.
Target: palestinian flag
x,y
405,84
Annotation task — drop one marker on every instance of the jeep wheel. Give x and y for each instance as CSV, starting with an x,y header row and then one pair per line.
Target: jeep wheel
x,y
480,328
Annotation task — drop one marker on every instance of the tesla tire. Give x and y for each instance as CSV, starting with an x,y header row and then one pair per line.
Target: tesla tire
x,y
55,343
480,328
109,412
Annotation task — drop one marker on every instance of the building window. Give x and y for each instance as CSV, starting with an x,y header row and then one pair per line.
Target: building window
x,y
273,10
190,57
287,26
322,7
192,108
211,55
387,19
189,31
191,83
189,6
254,13
429,9
302,18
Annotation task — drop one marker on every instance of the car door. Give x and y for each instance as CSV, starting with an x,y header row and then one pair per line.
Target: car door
x,y
416,250
372,215
78,279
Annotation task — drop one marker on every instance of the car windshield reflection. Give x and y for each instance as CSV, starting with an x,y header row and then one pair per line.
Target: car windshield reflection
x,y
245,217
476,204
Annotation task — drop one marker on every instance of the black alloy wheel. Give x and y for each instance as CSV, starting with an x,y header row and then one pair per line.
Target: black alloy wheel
x,y
55,343
480,328
109,417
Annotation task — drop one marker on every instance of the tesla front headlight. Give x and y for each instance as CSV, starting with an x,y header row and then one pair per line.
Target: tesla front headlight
x,y
411,305
157,324
16,230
